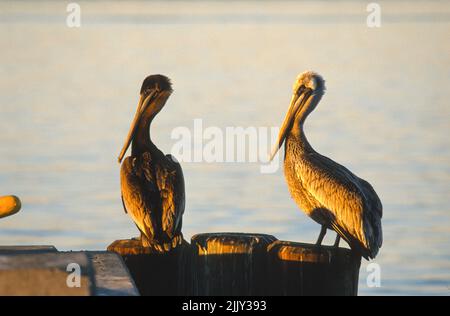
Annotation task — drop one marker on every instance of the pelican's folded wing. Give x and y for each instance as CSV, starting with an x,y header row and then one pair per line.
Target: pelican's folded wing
x,y
339,191
170,182
137,203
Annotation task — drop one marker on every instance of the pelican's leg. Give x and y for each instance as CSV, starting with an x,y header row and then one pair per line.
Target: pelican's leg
x,y
336,242
323,231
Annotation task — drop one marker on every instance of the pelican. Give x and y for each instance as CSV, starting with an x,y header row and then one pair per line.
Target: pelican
x,y
152,184
326,191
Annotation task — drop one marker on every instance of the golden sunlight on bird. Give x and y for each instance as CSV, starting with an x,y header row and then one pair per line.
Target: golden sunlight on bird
x,y
326,191
152,184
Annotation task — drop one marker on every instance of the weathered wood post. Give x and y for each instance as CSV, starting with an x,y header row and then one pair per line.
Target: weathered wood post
x,y
241,264
229,263
305,269
155,273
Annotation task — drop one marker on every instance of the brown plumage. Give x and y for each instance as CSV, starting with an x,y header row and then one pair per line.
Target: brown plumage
x,y
152,183
326,191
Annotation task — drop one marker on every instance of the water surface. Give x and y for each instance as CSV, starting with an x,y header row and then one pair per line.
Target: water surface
x,y
67,97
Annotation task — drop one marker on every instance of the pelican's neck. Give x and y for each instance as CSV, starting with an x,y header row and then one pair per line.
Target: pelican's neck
x,y
142,141
297,134
297,130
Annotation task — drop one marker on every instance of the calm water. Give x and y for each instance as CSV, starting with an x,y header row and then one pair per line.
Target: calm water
x,y
67,97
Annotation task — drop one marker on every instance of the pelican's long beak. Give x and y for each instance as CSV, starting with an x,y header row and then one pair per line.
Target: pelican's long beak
x,y
144,101
297,101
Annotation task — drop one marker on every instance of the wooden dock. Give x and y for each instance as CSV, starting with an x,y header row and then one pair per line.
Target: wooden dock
x,y
42,270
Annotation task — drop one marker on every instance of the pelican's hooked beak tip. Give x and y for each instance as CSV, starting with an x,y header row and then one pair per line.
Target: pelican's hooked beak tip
x,y
273,154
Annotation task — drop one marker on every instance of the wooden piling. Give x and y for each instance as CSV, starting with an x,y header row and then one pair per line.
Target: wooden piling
x,y
155,273
229,263
241,264
305,269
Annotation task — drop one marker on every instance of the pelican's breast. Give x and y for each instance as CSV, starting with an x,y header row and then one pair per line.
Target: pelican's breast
x,y
295,161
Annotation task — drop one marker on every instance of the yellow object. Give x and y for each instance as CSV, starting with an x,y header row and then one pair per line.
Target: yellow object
x,y
9,205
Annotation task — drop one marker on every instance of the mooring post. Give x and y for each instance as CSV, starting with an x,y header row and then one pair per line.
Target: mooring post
x,y
229,263
155,273
241,264
306,269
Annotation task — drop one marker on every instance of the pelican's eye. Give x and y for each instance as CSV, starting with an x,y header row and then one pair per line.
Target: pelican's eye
x,y
301,90
148,91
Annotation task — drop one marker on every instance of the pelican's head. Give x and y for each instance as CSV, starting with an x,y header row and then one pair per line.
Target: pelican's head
x,y
309,80
308,89
155,91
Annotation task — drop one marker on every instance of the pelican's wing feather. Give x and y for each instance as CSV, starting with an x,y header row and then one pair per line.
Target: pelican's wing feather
x,y
342,194
138,196
170,182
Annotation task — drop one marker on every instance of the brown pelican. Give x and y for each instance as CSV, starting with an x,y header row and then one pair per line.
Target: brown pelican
x,y
326,191
152,183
